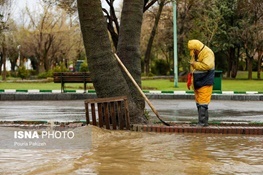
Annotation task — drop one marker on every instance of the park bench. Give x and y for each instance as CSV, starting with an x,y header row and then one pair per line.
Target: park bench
x,y
72,77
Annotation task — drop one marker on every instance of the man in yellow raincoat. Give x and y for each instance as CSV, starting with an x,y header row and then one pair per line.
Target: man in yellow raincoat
x,y
202,65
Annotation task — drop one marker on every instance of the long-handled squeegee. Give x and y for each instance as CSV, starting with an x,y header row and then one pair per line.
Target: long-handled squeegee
x,y
139,89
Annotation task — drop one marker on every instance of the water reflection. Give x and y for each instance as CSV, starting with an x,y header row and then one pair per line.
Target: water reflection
x,y
169,110
122,152
42,111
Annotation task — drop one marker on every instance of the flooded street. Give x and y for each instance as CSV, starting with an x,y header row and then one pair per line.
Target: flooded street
x,y
42,110
169,110
125,152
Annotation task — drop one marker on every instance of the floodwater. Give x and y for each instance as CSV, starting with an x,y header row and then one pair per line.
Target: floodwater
x,y
138,153
169,110
132,153
42,110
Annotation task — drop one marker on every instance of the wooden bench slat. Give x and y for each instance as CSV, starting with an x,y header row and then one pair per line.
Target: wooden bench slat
x,y
72,77
109,99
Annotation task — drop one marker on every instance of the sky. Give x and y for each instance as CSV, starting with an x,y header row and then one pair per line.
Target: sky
x,y
20,5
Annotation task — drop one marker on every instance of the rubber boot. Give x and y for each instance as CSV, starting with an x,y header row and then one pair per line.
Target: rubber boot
x,y
203,115
198,110
206,117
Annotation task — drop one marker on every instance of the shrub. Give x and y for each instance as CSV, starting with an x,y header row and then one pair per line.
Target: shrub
x,y
23,73
161,67
84,67
45,74
60,68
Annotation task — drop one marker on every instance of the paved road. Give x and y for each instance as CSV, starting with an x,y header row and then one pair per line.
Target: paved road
x,y
185,110
169,110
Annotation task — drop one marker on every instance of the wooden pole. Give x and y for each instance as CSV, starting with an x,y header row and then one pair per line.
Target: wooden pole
x,y
139,89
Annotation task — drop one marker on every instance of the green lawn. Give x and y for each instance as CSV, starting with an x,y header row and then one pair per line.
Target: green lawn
x,y
244,75
159,84
42,86
227,85
240,84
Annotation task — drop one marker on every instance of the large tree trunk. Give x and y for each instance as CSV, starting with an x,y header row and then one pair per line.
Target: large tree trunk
x,y
106,74
129,47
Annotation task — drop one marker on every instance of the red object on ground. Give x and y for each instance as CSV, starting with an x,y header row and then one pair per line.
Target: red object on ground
x,y
189,80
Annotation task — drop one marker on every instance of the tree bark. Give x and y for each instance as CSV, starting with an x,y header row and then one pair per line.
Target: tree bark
x,y
129,48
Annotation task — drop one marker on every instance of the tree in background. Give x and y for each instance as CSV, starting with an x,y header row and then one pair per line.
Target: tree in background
x,y
50,38
147,56
232,28
251,34
5,10
216,23
227,44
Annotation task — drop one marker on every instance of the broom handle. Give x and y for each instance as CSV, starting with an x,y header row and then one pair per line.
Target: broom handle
x,y
139,89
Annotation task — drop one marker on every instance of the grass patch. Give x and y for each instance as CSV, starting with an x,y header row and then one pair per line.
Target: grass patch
x,y
227,85
162,84
240,84
158,84
244,75
43,86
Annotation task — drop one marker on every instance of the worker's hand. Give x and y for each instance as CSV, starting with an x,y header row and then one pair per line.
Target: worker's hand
x,y
189,80
192,62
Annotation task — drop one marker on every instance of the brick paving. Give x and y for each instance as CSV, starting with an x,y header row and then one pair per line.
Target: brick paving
x,y
178,128
248,130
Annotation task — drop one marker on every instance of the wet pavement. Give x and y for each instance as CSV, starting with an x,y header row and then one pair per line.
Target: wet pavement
x,y
169,110
227,111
